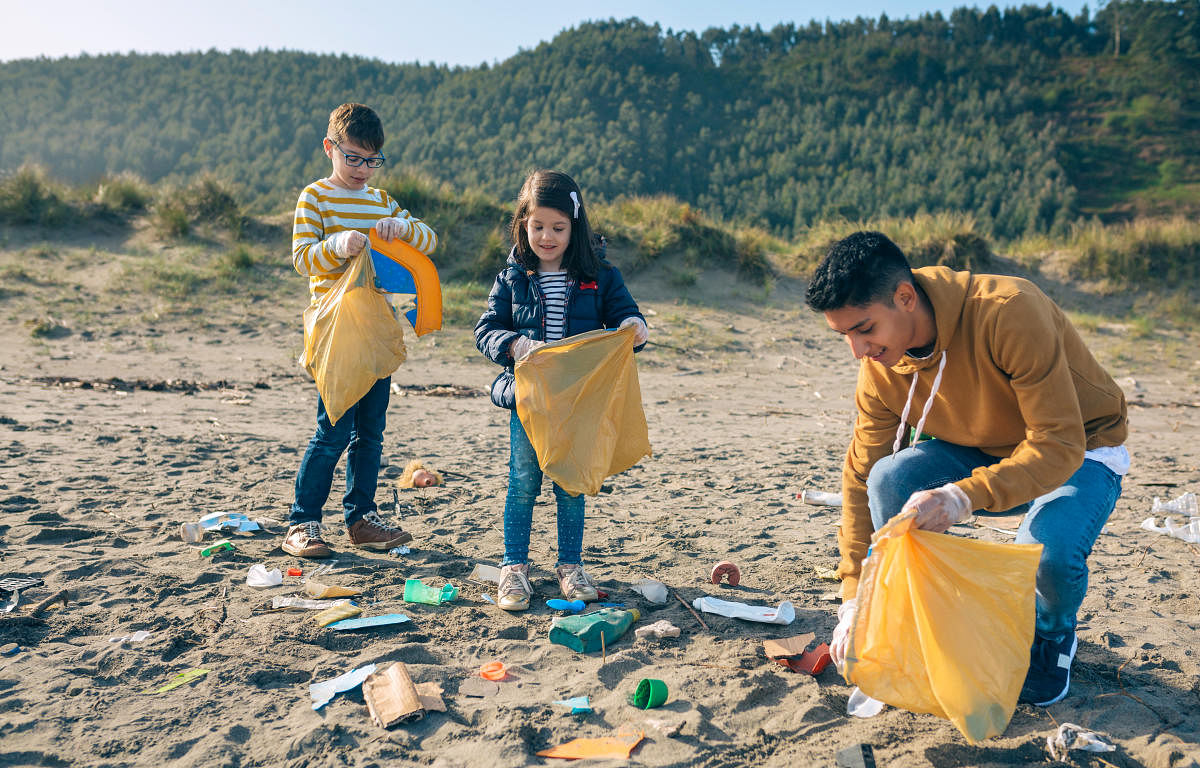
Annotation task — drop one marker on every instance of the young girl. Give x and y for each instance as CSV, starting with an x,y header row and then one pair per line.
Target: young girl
x,y
555,285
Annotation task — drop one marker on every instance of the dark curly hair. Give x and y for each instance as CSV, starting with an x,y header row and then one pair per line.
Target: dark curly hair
x,y
859,270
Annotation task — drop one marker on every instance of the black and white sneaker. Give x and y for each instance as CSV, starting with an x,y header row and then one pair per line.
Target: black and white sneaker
x,y
1049,676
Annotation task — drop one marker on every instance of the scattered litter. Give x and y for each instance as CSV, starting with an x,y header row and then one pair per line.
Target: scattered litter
x,y
294,571
9,649
1183,505
616,747
234,520
191,533
13,599
63,596
650,693
323,568
314,589
591,632
784,614
819,498
259,576
393,698
727,570
1189,532
417,475
1070,736
338,612
493,670
398,551
183,678
416,591
302,604
858,756
830,597
578,705
861,705
369,621
489,598
825,573
136,637
477,688
486,574
785,648
216,546
1005,531
558,604
322,693
657,631
16,582
814,662
654,591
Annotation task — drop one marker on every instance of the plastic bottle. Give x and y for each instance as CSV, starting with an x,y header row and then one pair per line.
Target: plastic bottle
x,y
582,633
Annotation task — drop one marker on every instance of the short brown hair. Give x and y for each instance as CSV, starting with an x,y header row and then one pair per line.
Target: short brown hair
x,y
358,123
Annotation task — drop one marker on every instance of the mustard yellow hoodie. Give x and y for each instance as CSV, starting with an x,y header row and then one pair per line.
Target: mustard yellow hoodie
x,y
1018,384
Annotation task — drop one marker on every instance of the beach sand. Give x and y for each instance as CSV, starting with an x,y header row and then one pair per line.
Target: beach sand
x,y
97,475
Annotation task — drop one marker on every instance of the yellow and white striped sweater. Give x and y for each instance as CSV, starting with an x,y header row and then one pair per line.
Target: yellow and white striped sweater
x,y
324,210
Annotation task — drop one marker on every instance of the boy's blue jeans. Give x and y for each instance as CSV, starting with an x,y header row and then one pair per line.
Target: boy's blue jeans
x,y
1065,521
360,430
524,483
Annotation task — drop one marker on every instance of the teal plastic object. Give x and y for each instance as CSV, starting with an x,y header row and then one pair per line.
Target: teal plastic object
x,y
578,705
416,591
583,633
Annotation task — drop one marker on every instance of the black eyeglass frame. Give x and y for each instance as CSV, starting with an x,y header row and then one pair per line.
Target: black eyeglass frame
x,y
356,160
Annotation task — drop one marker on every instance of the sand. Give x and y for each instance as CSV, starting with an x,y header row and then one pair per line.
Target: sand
x,y
96,476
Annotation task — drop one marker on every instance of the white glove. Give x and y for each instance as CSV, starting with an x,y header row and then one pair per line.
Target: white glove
x,y
348,243
840,642
939,508
392,227
522,346
643,333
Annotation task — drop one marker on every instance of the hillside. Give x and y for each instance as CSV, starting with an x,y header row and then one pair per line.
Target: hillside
x,y
1026,119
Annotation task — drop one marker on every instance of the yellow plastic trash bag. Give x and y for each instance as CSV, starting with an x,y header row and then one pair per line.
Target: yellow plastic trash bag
x,y
351,338
944,625
581,405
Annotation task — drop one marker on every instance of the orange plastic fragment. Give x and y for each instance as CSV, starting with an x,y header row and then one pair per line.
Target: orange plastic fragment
x,y
493,670
616,747
815,660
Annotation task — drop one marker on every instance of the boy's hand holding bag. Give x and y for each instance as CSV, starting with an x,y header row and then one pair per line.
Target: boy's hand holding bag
x,y
351,338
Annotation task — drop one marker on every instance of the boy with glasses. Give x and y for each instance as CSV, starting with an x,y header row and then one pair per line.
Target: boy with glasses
x,y
332,218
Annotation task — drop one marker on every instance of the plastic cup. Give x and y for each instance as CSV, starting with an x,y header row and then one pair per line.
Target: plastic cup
x,y
493,670
650,693
192,533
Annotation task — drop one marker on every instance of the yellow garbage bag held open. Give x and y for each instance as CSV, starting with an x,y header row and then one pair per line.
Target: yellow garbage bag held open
x,y
581,405
944,625
351,338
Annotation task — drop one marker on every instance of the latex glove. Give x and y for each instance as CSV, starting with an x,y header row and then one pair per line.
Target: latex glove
x,y
522,346
348,243
392,227
939,508
643,333
840,642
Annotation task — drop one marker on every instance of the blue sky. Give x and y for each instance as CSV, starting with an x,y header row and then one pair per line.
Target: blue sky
x,y
465,32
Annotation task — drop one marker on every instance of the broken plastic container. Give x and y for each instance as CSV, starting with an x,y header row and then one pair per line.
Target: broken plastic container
x,y
259,576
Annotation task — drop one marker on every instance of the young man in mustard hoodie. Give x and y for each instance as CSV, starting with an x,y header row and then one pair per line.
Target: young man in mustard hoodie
x,y
1024,418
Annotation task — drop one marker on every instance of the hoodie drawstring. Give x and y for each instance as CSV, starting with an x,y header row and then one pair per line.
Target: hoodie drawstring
x,y
937,382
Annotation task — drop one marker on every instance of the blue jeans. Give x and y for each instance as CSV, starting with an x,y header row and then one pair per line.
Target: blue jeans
x,y
360,430
524,483
1065,521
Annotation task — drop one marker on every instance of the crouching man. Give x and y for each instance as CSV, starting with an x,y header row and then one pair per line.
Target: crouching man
x,y
1023,419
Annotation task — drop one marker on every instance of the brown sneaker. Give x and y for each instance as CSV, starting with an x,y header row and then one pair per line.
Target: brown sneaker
x,y
514,591
372,533
304,540
575,584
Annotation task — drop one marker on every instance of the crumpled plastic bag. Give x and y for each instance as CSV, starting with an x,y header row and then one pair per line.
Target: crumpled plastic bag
x,y
581,405
351,338
763,614
1070,736
944,625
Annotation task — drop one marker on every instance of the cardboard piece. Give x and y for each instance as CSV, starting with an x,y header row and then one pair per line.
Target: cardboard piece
x,y
336,613
788,647
392,697
320,591
617,747
485,574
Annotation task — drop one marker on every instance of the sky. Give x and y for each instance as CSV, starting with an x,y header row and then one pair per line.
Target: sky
x,y
454,32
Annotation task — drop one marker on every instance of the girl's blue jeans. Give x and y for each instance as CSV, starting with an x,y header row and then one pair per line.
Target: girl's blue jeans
x,y
524,483
358,433
1065,521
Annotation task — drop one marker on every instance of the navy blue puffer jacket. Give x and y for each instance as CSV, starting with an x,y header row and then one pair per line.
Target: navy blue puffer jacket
x,y
515,306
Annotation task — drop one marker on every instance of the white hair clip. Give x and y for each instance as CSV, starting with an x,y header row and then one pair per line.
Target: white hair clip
x,y
575,199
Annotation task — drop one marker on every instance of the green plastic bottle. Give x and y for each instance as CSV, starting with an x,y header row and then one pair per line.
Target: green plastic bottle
x,y
582,633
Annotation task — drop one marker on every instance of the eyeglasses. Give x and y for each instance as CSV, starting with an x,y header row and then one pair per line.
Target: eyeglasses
x,y
356,160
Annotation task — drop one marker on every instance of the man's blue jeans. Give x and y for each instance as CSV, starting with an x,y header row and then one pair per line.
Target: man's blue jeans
x,y
524,483
1065,521
359,432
